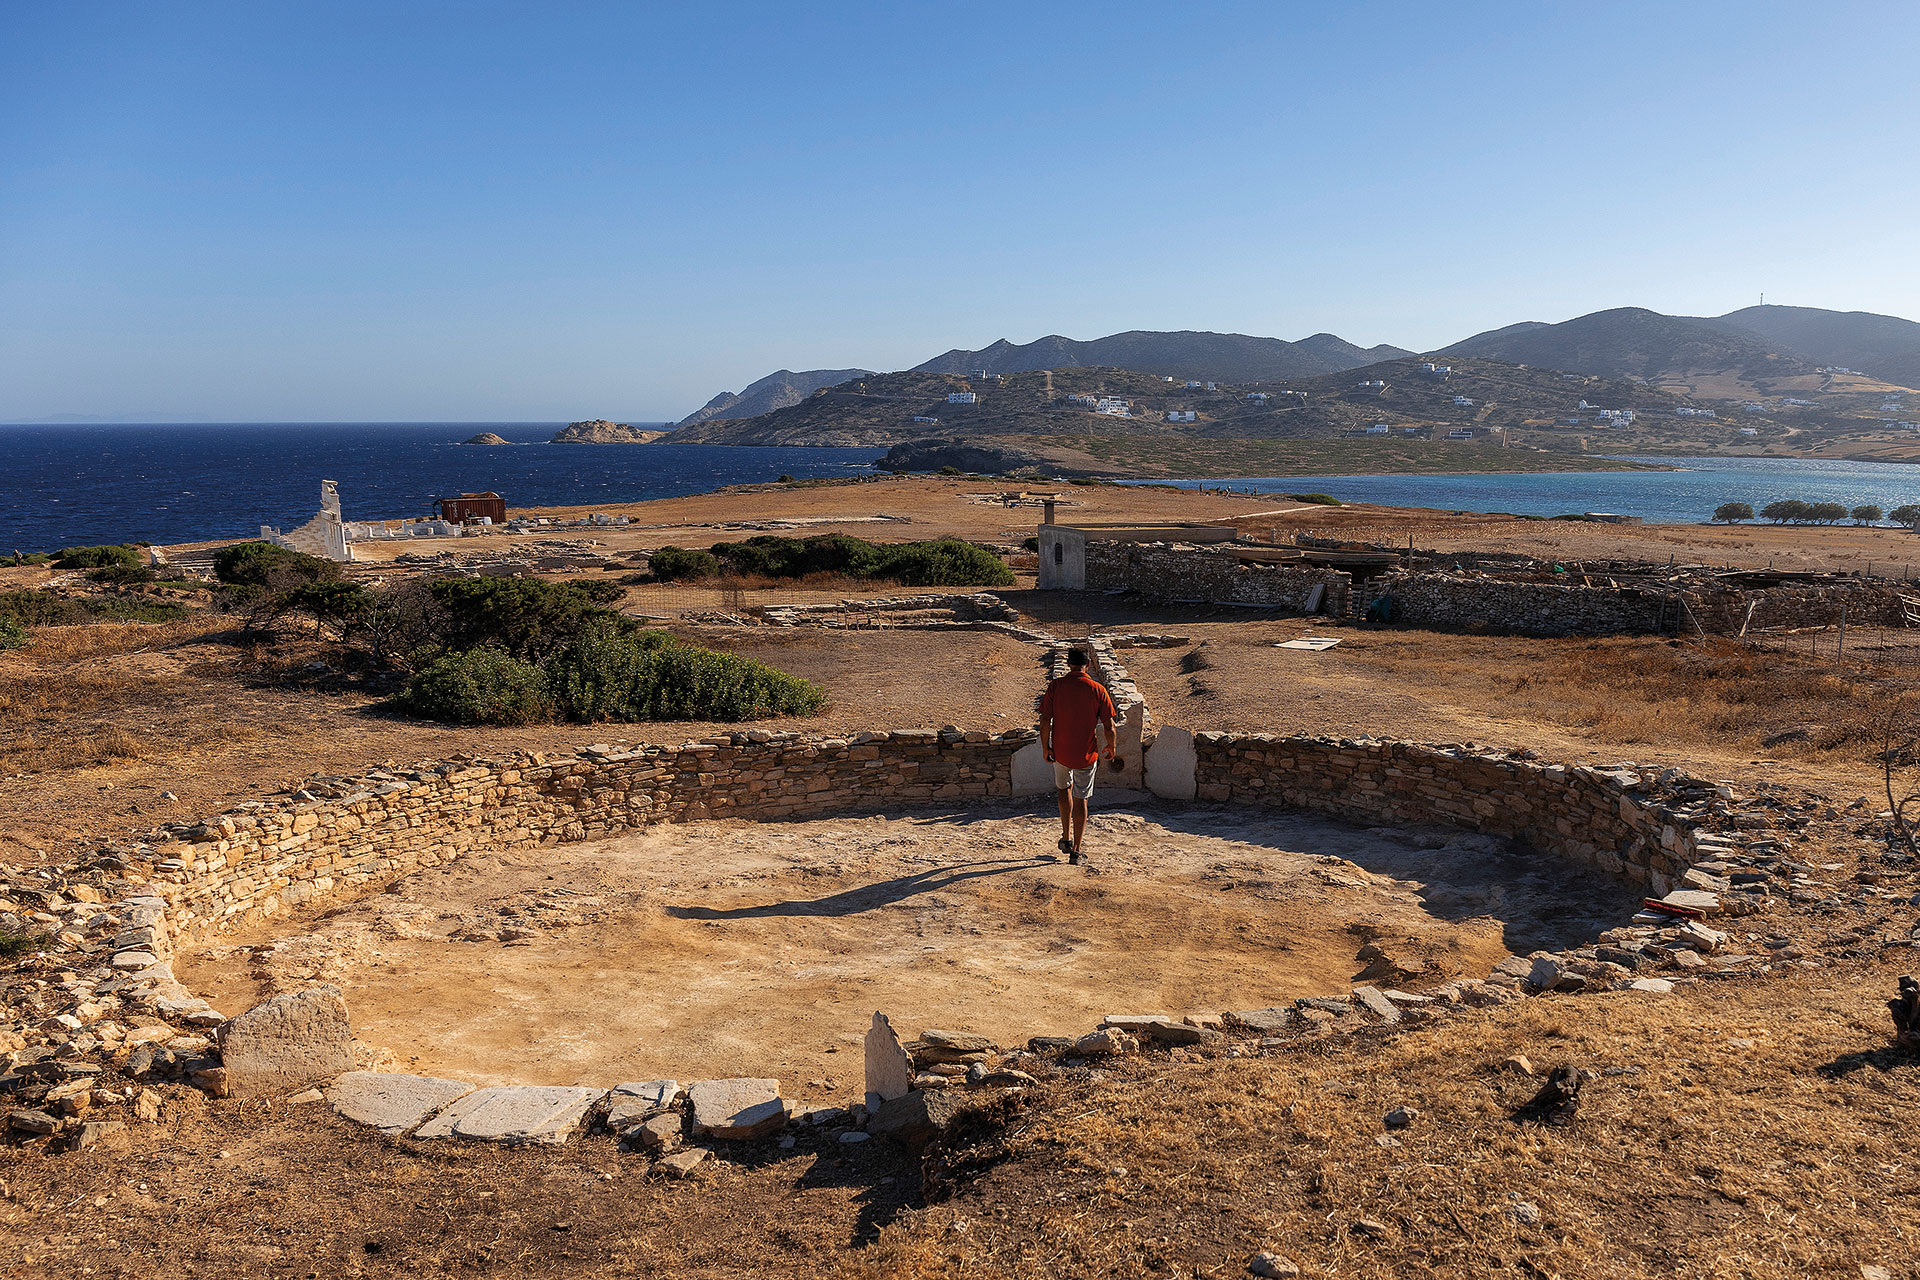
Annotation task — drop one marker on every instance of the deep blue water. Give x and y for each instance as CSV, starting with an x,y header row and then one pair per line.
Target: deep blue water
x,y
69,485
1660,497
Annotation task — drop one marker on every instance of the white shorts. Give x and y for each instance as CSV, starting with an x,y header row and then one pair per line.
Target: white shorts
x,y
1078,781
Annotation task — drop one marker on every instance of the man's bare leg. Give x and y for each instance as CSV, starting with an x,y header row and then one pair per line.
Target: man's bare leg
x,y
1079,822
1066,816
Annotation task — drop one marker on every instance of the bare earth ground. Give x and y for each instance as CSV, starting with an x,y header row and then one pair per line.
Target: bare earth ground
x,y
739,948
1744,1129
1757,1130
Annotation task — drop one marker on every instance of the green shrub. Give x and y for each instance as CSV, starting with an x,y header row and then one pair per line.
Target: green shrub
x,y
1732,512
261,564
46,609
525,617
97,557
479,686
950,471
19,558
677,564
610,675
13,945
940,562
1786,509
121,575
1867,513
943,562
1323,499
12,634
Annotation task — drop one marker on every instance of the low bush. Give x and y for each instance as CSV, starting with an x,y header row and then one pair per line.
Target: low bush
x,y
939,562
677,564
525,617
121,575
607,673
479,686
19,558
14,945
262,564
1323,499
97,557
49,609
1733,512
12,635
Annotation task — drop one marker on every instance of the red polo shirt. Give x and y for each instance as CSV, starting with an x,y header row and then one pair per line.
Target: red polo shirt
x,y
1075,704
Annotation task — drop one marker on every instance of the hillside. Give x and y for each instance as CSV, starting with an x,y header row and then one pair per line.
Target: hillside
x,y
1886,347
1632,342
1231,357
889,409
777,390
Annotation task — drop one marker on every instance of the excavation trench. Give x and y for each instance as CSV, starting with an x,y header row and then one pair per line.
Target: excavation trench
x,y
731,947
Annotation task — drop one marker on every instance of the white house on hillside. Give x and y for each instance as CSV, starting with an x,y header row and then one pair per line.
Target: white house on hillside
x,y
962,397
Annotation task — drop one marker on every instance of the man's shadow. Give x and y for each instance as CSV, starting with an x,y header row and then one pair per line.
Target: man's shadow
x,y
868,897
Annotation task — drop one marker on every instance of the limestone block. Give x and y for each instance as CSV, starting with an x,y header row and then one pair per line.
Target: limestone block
x,y
637,1099
287,1043
514,1114
1170,764
739,1108
392,1103
889,1068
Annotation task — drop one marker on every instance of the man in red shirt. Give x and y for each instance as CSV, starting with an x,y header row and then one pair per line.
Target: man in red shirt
x,y
1074,707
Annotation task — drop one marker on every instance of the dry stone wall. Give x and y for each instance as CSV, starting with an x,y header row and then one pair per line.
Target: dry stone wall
x,y
1524,608
1166,571
261,861
1624,821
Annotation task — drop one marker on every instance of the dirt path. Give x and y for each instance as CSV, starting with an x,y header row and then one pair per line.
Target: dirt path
x,y
763,949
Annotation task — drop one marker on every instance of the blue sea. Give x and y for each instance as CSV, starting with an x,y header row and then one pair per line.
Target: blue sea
x,y
71,485
1681,496
64,485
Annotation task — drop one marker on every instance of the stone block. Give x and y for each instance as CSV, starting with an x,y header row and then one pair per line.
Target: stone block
x,y
287,1043
889,1070
1171,764
635,1100
514,1114
391,1102
916,1119
739,1108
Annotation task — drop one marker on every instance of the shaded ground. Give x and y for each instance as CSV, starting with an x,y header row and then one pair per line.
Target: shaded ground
x,y
734,948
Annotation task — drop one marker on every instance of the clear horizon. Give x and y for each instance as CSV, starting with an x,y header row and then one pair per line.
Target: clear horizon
x,y
428,213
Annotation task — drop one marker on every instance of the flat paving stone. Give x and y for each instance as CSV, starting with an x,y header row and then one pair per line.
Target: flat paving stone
x,y
739,1108
635,1100
514,1113
392,1102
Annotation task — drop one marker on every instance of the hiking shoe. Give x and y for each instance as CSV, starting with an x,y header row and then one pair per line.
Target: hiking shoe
x,y
1065,846
1073,856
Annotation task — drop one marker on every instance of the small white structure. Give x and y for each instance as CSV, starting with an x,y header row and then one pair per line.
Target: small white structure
x,y
1192,385
1462,400
1460,433
1211,387
1685,412
1375,384
1113,406
1379,429
1259,397
925,417
962,397
1179,415
1748,431
1439,370
325,535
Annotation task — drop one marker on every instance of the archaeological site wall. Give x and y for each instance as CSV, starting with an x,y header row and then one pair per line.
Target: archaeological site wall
x,y
1160,571
1620,821
1523,608
259,861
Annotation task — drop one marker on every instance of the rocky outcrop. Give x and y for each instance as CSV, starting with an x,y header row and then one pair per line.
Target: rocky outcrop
x,y
937,452
486,437
600,431
778,390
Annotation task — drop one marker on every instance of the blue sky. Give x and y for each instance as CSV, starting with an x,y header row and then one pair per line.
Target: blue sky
x,y
471,211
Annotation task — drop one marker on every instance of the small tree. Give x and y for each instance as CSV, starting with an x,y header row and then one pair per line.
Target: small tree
x,y
1908,515
1785,509
1731,512
1866,513
1827,512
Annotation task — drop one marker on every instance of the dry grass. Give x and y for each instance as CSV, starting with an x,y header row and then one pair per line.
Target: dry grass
x,y
66,700
1646,690
1702,1158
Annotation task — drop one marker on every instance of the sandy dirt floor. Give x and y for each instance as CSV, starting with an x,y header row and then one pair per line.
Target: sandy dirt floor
x,y
733,948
